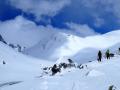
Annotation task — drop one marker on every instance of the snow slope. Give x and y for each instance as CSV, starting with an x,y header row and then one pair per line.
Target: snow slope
x,y
18,67
22,73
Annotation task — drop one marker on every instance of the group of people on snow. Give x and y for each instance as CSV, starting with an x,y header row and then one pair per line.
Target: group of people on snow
x,y
108,55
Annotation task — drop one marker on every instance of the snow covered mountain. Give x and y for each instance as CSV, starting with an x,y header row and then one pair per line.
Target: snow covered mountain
x,y
41,42
59,44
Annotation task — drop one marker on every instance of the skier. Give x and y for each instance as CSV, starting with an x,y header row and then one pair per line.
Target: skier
x,y
99,56
107,54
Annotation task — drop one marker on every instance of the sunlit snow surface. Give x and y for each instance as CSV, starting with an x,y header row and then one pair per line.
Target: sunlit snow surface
x,y
23,72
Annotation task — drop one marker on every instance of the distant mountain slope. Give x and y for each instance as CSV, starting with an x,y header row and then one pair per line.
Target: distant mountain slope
x,y
59,44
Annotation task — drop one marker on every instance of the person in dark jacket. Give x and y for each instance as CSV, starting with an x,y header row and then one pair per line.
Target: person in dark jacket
x,y
119,51
4,62
107,54
99,56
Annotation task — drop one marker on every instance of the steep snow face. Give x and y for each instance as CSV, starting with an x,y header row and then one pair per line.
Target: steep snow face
x,y
48,45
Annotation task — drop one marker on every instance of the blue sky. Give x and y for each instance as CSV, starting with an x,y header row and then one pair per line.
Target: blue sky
x,y
101,16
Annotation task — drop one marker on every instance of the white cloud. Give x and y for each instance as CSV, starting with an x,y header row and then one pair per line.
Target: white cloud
x,y
103,6
98,22
20,31
26,33
40,7
81,30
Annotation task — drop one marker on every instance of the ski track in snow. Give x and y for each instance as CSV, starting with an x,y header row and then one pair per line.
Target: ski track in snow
x,y
9,83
